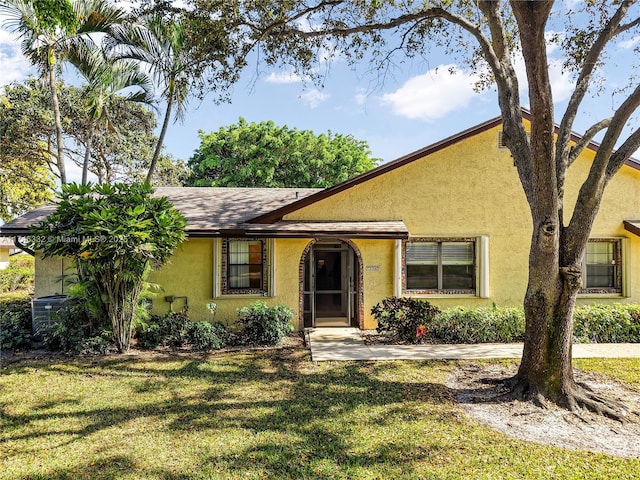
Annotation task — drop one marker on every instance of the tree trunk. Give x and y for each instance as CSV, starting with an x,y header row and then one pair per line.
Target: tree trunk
x,y
163,131
87,154
546,367
55,105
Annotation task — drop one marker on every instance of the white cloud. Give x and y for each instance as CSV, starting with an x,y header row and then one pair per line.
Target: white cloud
x,y
314,97
631,43
15,66
284,77
433,94
562,85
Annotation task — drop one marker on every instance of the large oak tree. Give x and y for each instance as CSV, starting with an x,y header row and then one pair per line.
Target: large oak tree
x,y
490,35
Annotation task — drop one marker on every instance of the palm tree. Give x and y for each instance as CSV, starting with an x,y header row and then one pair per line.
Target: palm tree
x,y
48,33
162,46
108,81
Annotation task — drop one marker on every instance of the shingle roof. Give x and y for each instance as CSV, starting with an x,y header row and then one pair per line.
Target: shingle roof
x,y
6,243
208,210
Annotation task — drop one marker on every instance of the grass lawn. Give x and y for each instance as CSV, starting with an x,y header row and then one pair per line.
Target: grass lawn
x,y
263,414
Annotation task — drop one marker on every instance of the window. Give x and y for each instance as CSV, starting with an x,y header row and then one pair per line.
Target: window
x,y
602,267
440,266
244,266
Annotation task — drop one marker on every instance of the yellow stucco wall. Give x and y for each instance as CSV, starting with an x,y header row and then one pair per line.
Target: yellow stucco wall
x,y
468,189
4,257
191,273
49,275
472,189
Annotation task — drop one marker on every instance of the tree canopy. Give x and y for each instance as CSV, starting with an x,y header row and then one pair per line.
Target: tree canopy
x,y
266,155
121,148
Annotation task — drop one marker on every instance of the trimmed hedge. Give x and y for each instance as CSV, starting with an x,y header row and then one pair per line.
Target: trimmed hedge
x,y
477,325
607,324
615,323
15,321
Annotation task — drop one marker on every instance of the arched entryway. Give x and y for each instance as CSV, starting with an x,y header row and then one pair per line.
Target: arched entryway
x,y
331,284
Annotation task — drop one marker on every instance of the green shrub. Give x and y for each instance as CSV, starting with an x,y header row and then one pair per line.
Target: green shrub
x,y
404,319
264,325
177,330
18,275
617,323
477,325
15,321
74,331
149,335
204,336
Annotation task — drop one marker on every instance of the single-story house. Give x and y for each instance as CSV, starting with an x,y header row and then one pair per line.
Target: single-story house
x,y
448,223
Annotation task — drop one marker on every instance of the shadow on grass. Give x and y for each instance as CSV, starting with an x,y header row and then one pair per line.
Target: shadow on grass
x,y
298,418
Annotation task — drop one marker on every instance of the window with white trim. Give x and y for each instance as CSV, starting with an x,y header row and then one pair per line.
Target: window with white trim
x,y
440,266
602,266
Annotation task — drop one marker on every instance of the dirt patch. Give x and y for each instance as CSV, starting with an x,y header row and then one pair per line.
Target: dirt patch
x,y
477,385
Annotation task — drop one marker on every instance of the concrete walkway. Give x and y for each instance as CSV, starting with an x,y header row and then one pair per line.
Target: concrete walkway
x,y
347,344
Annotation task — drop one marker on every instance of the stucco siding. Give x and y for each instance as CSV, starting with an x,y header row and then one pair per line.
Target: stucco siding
x,y
472,188
50,275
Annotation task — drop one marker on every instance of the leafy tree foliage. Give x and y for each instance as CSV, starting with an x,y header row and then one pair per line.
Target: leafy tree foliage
x,y
489,35
25,180
23,186
48,31
109,81
121,148
116,234
265,155
162,46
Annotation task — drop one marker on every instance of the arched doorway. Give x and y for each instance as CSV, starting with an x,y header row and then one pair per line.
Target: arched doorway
x,y
331,284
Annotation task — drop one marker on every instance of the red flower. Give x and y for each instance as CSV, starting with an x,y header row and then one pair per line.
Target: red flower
x,y
420,331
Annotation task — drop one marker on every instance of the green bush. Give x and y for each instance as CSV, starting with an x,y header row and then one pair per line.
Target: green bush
x,y
177,330
477,325
404,319
18,275
74,331
617,323
205,336
264,325
15,321
149,335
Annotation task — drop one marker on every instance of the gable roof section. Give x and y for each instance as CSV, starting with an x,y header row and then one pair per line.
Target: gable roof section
x,y
278,214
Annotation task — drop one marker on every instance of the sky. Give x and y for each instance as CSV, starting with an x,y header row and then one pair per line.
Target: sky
x,y
416,104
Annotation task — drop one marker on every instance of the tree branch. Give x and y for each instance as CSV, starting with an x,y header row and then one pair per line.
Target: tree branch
x,y
582,86
605,164
581,144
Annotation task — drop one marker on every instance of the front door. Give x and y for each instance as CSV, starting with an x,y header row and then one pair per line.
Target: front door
x,y
329,285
